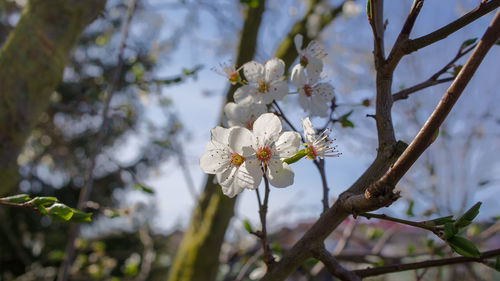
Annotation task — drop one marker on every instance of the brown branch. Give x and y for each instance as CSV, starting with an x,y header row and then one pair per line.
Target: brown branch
x,y
433,80
262,234
425,264
332,265
423,41
320,164
426,134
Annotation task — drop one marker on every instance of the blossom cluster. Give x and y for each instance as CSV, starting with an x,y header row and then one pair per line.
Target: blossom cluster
x,y
254,146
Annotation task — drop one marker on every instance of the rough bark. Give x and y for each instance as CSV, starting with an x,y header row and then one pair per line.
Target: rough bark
x,y
32,61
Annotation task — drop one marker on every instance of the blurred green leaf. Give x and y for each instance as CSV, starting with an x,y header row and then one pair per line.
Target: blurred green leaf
x,y
409,211
345,122
143,188
497,264
439,221
60,211
80,216
463,247
468,217
16,199
247,226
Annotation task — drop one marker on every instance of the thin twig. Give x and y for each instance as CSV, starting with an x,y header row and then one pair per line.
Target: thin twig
x,y
425,264
402,221
433,80
87,187
320,164
268,256
333,266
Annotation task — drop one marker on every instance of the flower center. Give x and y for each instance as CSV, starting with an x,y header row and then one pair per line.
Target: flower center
x,y
234,77
264,154
237,159
304,61
263,87
311,152
307,90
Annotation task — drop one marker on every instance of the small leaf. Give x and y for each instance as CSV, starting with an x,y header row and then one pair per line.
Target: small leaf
x,y
369,10
497,264
449,231
439,221
247,226
299,155
143,188
60,211
80,216
468,217
456,70
464,247
345,122
468,42
16,199
409,211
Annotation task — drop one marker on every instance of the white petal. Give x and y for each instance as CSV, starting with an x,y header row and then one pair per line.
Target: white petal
x,y
267,128
234,114
324,90
298,76
220,134
318,106
314,68
244,93
253,71
274,69
265,98
279,174
226,177
298,42
240,141
304,100
288,144
278,90
248,176
214,160
309,131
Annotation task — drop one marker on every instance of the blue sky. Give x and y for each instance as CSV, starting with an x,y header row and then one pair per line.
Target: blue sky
x,y
349,69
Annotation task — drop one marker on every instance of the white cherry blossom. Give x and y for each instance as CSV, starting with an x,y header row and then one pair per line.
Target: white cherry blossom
x,y
271,146
311,57
243,114
265,82
230,72
318,146
226,157
313,96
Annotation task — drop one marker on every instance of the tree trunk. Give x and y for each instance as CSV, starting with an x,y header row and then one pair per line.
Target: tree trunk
x,y
32,61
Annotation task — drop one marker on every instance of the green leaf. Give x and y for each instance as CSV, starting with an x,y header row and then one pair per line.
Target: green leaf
x,y
60,211
300,154
409,211
41,202
497,264
345,122
439,221
247,226
16,199
469,216
456,70
463,247
143,188
80,216
449,231
369,10
468,42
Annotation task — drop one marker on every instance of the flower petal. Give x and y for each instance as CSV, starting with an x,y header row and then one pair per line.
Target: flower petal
x,y
309,131
215,159
288,144
298,76
266,129
240,141
298,42
278,90
279,174
219,134
274,69
253,71
314,69
245,94
234,114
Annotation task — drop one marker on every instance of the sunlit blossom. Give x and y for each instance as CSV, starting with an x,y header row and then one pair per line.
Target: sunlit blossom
x,y
265,82
231,73
311,57
318,145
314,97
243,114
